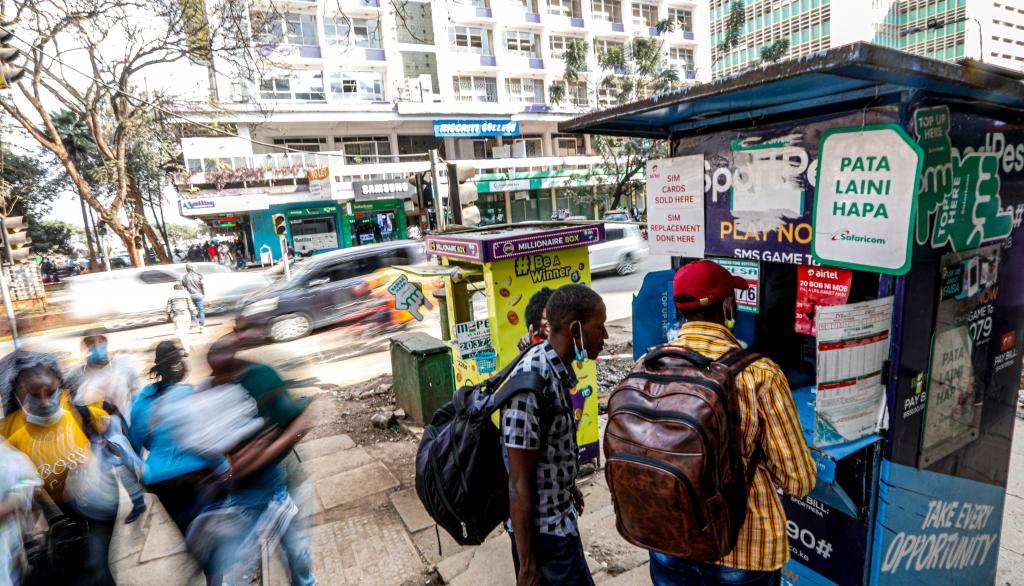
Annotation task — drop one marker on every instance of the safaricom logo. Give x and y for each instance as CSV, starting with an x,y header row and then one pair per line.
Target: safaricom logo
x,y
848,236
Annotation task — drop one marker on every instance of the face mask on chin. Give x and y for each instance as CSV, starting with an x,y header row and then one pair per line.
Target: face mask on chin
x,y
42,412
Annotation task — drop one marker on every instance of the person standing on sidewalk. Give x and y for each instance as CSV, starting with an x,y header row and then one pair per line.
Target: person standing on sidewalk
x,y
192,281
538,432
181,311
704,295
103,377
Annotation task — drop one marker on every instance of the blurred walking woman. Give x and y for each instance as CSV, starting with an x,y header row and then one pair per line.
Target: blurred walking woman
x,y
42,423
171,473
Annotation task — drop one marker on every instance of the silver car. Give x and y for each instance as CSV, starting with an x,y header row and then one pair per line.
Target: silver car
x,y
623,248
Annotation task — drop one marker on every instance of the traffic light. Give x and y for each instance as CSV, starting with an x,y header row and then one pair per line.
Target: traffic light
x,y
9,72
16,241
462,194
280,225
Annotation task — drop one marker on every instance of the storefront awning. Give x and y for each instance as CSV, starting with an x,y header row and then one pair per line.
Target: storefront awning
x,y
856,72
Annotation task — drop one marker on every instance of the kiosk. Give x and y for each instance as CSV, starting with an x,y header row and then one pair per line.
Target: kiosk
x,y
873,201
499,270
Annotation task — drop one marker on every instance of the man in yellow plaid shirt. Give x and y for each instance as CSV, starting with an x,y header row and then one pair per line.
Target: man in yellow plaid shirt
x,y
704,295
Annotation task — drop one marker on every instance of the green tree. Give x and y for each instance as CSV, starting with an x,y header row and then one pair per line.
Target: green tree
x,y
51,237
27,184
634,71
775,52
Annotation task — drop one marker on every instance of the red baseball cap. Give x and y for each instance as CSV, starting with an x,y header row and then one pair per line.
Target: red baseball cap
x,y
704,283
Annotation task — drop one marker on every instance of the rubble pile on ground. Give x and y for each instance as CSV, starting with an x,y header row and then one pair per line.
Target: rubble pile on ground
x,y
610,372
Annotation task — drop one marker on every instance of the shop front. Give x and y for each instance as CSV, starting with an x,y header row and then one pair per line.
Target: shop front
x,y
382,220
538,196
313,228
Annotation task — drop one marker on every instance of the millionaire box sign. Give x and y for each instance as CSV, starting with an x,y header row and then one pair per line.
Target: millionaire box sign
x,y
495,245
675,206
867,196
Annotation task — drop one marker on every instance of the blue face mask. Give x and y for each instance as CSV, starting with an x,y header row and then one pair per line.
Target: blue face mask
x,y
579,349
98,353
42,411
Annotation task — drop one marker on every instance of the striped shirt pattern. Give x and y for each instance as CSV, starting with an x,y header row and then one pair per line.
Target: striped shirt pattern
x,y
767,410
180,304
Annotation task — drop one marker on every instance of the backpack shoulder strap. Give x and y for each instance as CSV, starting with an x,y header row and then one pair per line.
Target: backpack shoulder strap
x,y
524,381
738,360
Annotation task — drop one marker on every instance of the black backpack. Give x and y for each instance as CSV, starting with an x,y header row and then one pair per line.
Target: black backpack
x,y
460,473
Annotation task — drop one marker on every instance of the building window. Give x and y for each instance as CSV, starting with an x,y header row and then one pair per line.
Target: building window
x,y
526,5
475,88
362,150
682,17
309,87
534,146
521,43
559,43
607,96
645,14
295,29
475,3
468,39
357,32
357,87
525,91
569,146
602,46
681,57
576,93
310,145
569,8
608,10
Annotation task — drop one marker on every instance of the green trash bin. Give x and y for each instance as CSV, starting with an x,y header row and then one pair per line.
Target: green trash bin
x,y
423,376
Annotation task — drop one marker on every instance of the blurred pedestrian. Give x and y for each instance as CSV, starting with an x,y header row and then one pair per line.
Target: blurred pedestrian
x,y
211,252
181,312
173,474
43,424
193,283
102,377
18,482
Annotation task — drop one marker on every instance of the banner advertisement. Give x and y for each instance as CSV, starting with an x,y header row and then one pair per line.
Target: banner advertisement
x,y
853,343
943,529
750,270
960,351
651,328
819,286
825,545
867,194
759,185
473,337
675,206
475,128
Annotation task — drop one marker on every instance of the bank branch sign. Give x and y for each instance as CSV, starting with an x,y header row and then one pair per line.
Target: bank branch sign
x,y
867,197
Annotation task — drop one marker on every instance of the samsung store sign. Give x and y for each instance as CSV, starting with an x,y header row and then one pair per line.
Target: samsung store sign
x,y
394,189
475,128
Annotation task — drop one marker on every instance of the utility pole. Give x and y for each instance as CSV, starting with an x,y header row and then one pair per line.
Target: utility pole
x,y
6,292
435,174
11,235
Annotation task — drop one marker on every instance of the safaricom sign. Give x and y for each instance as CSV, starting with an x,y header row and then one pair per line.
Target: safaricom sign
x,y
867,194
474,128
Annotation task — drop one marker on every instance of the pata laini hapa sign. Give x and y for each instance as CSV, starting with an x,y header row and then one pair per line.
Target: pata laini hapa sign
x,y
866,198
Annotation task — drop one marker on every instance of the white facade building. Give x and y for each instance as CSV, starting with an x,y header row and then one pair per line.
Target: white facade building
x,y
365,88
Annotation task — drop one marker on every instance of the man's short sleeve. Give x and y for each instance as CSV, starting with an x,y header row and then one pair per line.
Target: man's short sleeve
x,y
520,424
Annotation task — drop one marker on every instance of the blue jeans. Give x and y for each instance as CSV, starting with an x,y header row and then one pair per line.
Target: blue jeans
x,y
667,570
198,300
560,559
296,546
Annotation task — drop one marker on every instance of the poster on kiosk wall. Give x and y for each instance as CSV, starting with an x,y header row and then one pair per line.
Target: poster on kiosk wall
x,y
675,206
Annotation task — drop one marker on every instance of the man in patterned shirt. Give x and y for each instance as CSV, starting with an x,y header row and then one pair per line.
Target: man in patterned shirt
x,y
539,436
704,295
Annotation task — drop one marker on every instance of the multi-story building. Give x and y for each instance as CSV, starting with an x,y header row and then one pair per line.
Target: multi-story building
x,y
986,30
353,93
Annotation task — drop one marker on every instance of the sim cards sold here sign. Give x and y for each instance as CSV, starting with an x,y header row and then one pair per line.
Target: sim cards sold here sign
x,y
675,206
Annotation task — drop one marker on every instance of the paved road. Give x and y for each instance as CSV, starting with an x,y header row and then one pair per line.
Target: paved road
x,y
332,354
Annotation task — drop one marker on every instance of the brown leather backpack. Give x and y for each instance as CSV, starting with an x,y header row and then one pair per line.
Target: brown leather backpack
x,y
672,446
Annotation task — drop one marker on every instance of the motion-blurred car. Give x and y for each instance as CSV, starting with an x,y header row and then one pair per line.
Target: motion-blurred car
x,y
327,289
134,297
623,248
616,216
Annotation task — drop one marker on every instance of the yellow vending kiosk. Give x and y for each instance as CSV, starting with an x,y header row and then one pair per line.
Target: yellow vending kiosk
x,y
504,268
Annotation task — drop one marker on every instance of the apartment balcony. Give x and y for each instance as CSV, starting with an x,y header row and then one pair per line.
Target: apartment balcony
x,y
284,52
520,63
678,36
564,23
515,16
606,28
471,15
358,58
356,5
473,61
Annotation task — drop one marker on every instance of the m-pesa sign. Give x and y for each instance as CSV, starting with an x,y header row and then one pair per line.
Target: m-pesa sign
x,y
867,195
